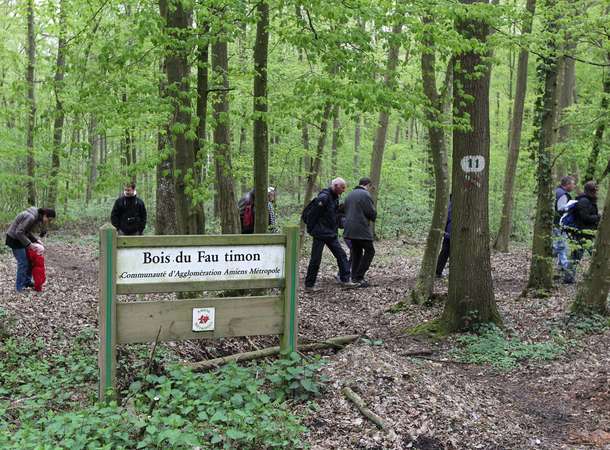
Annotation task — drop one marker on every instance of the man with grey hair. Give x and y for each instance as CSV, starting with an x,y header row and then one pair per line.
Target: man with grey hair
x,y
560,239
322,224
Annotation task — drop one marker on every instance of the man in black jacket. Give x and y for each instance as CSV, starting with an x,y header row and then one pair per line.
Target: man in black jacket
x,y
322,225
129,213
586,220
359,213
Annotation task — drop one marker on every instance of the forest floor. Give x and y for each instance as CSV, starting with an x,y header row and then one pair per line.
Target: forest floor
x,y
436,400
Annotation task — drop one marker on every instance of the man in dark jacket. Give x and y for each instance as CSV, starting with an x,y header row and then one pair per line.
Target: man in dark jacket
x,y
359,213
586,220
129,213
20,238
443,256
322,225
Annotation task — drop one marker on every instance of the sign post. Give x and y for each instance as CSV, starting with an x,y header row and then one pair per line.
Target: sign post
x,y
155,264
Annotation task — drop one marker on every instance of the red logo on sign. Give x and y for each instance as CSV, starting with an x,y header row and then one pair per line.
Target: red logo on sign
x,y
204,319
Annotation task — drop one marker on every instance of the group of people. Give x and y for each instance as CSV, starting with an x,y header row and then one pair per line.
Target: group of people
x,y
574,223
128,217
323,217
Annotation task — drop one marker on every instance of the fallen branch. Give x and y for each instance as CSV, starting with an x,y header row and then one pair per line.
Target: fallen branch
x,y
336,342
419,353
366,412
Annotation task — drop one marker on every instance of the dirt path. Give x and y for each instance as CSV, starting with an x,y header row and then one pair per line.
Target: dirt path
x,y
432,403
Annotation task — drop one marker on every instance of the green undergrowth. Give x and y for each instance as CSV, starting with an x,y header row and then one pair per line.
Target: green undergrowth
x,y
49,401
583,324
491,346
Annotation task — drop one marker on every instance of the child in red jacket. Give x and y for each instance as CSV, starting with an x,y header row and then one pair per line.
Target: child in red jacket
x,y
36,259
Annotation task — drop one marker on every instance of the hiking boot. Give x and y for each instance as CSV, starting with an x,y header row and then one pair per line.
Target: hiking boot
x,y
338,279
363,284
349,284
312,289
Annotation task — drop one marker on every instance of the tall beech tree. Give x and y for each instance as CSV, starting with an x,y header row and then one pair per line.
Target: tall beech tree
x,y
58,121
389,82
225,185
31,102
546,116
592,294
438,149
178,18
471,297
260,130
516,125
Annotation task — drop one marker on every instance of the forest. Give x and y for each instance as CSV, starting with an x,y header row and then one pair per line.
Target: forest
x,y
481,109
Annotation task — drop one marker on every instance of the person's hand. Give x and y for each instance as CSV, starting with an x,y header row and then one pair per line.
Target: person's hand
x,y
38,248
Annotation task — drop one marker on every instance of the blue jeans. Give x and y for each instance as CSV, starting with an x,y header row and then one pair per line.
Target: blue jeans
x,y
560,248
24,271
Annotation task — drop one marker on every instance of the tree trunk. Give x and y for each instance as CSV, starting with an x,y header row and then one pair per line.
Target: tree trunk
x,y
547,107
471,298
508,199
202,112
165,218
592,294
599,131
260,134
357,133
93,141
424,283
227,205
58,123
335,141
315,165
178,21
29,76
384,115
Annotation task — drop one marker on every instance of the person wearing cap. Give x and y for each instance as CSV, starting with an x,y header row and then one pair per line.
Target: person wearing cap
x,y
271,196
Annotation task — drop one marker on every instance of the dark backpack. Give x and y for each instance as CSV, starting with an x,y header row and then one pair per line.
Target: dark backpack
x,y
246,214
306,214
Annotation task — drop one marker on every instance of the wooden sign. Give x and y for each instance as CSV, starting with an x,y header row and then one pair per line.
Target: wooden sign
x,y
149,264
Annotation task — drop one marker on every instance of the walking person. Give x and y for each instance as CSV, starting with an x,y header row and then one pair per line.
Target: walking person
x,y
359,213
247,211
128,214
443,256
580,223
20,239
322,224
560,238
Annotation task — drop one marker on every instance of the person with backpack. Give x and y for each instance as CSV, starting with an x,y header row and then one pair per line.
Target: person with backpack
x,y
128,214
20,238
320,216
579,223
359,213
247,211
560,238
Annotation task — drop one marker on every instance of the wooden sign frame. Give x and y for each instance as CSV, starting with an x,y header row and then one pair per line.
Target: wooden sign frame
x,y
170,320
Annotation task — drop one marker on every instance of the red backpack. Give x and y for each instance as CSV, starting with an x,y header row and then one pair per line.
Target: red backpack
x,y
246,214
